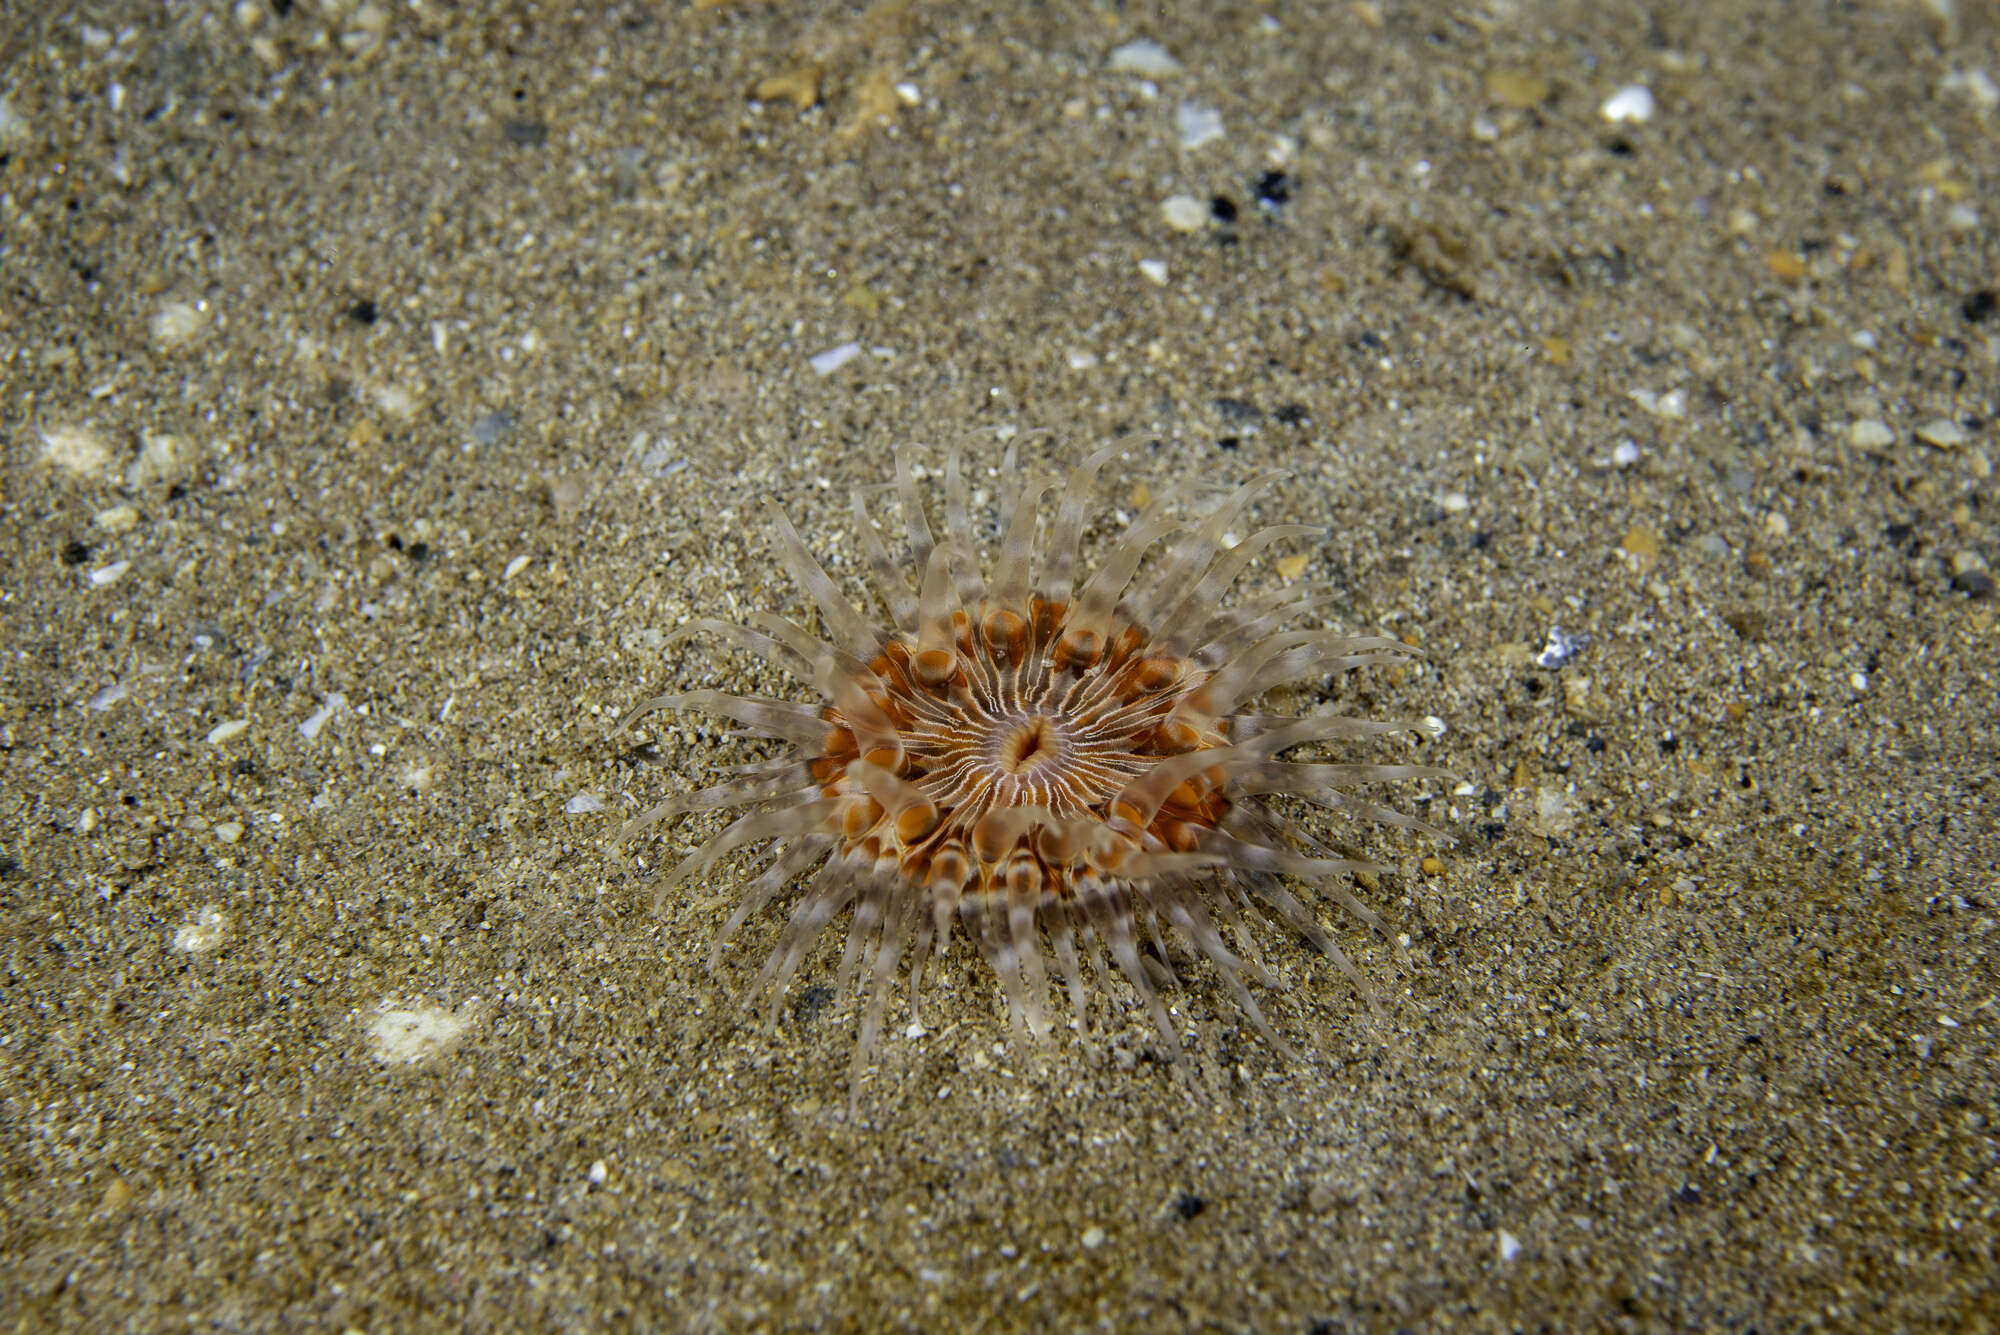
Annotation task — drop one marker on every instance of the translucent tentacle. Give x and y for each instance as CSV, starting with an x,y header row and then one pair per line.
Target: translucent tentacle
x,y
1067,534
771,718
797,856
1010,573
850,630
751,829
1176,631
1173,581
914,519
890,586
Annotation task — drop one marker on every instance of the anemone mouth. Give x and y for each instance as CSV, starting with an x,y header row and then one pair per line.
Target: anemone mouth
x,y
1057,765
1028,744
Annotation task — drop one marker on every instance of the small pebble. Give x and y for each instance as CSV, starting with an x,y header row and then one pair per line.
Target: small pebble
x,y
1155,271
1093,1238
1943,433
161,458
1786,265
1455,502
1184,213
1510,1246
76,449
118,519
490,428
1274,191
396,401
800,86
1633,102
1626,454
584,803
1672,405
526,133
1871,433
1553,813
1517,90
1643,546
1560,649
1976,84
175,324
1973,583
109,575
657,458
1198,125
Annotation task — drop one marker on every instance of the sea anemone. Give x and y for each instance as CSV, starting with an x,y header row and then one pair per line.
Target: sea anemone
x,y
1052,759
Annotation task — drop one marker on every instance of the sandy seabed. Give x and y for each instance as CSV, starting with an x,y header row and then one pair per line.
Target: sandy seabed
x,y
383,383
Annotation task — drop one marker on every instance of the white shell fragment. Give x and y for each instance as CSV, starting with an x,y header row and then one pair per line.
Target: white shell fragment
x,y
826,363
1633,102
1145,57
330,708
223,732
401,1035
205,933
176,323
